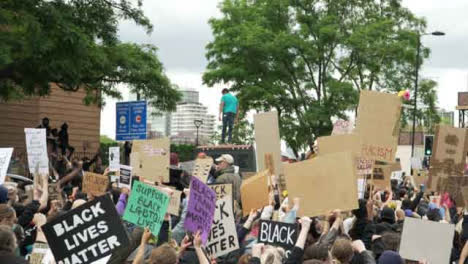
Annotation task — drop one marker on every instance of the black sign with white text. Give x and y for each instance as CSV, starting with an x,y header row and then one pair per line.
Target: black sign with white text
x,y
277,233
87,233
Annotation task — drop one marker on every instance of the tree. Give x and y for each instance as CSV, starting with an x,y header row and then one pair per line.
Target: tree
x,y
74,44
309,59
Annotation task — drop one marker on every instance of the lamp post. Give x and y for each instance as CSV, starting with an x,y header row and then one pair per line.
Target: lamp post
x,y
198,123
416,83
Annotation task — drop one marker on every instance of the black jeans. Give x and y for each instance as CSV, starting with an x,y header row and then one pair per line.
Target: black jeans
x,y
228,123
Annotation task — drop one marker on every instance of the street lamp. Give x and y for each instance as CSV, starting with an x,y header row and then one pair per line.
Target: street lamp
x,y
416,83
198,123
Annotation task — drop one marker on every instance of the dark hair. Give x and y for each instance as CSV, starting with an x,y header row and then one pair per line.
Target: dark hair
x,y
225,91
7,239
317,252
391,241
312,261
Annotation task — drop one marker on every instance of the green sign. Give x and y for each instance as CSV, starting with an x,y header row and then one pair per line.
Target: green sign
x,y
146,207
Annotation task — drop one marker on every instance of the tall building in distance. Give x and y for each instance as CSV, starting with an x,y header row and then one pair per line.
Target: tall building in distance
x,y
180,125
183,129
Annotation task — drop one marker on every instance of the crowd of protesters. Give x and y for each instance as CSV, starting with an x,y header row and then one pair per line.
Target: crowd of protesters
x,y
369,234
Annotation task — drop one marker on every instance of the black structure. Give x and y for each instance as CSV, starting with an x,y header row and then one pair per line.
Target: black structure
x,y
244,155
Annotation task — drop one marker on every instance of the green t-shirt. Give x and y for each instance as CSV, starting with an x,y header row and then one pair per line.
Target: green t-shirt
x,y
230,103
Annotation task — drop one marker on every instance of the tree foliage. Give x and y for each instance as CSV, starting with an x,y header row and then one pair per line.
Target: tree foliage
x,y
308,59
74,43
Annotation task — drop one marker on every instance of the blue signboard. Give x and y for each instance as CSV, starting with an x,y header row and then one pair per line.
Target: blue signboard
x,y
131,120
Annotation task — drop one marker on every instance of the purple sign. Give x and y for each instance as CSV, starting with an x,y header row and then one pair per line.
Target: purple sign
x,y
201,208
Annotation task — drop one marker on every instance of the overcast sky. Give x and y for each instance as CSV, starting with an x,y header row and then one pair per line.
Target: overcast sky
x,y
181,32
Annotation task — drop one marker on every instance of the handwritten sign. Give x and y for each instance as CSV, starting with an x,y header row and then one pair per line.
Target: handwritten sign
x,y
377,125
125,177
450,148
342,127
36,146
95,184
152,161
200,209
223,235
435,199
174,202
87,233
254,192
454,186
114,158
202,168
418,243
5,156
279,234
146,207
221,190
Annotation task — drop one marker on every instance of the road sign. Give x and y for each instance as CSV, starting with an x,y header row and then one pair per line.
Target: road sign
x,y
131,120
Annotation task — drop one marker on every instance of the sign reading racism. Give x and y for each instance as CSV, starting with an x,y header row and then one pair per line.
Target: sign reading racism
x,y
125,177
223,235
279,234
378,125
5,156
200,209
87,233
146,207
95,184
36,146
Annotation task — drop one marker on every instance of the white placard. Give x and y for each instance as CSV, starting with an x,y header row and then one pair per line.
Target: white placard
x,y
223,236
114,158
5,156
361,184
125,177
426,240
416,163
36,146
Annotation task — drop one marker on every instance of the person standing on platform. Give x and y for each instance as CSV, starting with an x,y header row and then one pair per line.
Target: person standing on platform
x,y
228,113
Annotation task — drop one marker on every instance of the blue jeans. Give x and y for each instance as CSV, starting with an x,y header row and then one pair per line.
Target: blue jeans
x,y
228,123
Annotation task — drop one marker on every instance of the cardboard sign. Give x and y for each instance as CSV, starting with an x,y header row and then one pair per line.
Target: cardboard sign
x,y
221,190
364,166
5,156
426,240
146,207
202,168
114,158
267,140
450,148
152,161
87,233
36,146
381,176
340,143
342,127
223,235
324,183
125,177
378,125
174,202
254,192
200,209
95,184
53,192
279,234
